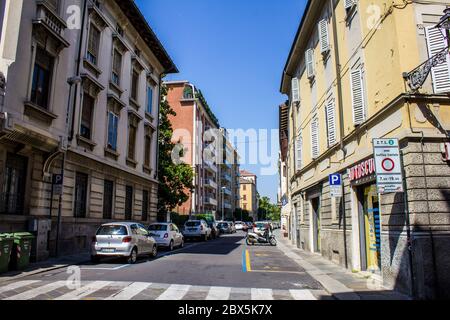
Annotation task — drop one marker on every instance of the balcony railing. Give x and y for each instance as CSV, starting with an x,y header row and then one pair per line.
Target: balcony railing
x,y
210,183
50,20
226,177
210,201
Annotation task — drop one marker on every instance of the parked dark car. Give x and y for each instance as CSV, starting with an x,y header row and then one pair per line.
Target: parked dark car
x,y
224,227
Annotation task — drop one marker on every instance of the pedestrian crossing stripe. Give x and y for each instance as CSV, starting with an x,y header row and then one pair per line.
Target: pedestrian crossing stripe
x,y
117,290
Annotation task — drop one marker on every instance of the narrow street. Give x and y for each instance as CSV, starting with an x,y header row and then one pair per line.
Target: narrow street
x,y
222,269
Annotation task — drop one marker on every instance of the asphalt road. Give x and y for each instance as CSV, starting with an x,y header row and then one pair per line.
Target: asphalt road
x,y
226,262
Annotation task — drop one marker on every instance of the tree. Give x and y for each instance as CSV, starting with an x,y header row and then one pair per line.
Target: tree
x,y
175,179
268,210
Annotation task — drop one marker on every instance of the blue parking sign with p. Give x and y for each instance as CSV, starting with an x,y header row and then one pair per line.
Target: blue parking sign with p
x,y
335,179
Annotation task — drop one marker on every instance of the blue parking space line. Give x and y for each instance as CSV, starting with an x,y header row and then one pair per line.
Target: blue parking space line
x,y
244,262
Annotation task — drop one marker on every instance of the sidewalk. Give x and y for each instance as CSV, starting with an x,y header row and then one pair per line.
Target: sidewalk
x,y
341,283
44,266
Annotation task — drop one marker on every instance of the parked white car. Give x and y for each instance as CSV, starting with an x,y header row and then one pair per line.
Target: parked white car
x,y
197,229
122,239
239,225
166,235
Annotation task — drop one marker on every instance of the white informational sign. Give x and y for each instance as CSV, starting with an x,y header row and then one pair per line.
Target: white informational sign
x,y
388,165
335,181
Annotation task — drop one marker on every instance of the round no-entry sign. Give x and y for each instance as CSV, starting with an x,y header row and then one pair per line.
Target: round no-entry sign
x,y
388,164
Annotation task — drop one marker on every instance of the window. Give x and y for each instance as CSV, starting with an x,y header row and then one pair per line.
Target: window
x,y
54,4
309,58
330,115
187,93
108,199
93,44
349,4
148,148
145,200
298,154
149,108
358,104
128,203
295,90
436,42
315,137
80,203
244,197
117,67
134,85
131,140
323,36
14,181
42,76
113,123
86,117
244,187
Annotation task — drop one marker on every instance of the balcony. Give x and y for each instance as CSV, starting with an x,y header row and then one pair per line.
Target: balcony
x,y
209,183
226,177
227,205
227,191
49,22
208,200
210,167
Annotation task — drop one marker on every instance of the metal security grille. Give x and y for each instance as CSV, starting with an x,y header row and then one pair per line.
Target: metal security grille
x,y
80,203
129,203
12,198
108,199
145,205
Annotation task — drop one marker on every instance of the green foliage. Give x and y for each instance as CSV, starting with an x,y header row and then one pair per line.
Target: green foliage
x,y
208,109
208,217
175,179
178,219
268,210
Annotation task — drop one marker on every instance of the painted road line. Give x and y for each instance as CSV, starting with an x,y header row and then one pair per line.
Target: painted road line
x,y
174,292
30,294
302,295
17,285
84,291
109,269
130,291
218,293
262,294
246,266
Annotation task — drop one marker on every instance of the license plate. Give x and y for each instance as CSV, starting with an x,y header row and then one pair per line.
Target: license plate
x,y
108,250
192,229
154,235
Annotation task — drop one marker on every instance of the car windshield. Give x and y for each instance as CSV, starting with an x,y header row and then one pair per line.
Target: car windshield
x,y
223,224
260,225
158,227
112,230
192,223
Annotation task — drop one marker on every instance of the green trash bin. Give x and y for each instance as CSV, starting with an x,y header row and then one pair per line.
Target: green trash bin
x,y
6,244
20,257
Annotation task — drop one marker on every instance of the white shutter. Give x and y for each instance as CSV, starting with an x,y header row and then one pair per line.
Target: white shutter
x,y
349,3
298,153
315,138
357,88
440,74
309,58
331,122
295,90
323,36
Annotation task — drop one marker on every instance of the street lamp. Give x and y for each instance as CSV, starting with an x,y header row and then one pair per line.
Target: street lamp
x,y
223,202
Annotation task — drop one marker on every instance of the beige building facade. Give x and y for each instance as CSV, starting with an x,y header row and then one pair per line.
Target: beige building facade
x,y
249,193
346,79
88,94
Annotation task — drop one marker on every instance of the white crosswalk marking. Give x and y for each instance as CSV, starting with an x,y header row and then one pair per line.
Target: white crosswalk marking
x,y
262,294
174,292
218,293
33,293
130,291
84,291
17,285
302,295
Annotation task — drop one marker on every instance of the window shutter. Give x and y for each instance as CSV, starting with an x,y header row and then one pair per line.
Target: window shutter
x,y
331,122
359,112
315,137
309,57
298,154
323,36
440,74
295,90
349,3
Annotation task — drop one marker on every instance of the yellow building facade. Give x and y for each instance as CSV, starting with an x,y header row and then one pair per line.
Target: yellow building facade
x,y
346,78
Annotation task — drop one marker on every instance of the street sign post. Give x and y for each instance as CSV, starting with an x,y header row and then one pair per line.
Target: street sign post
x,y
388,166
335,181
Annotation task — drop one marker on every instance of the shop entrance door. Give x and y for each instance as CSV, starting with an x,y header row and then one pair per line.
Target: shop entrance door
x,y
371,229
316,223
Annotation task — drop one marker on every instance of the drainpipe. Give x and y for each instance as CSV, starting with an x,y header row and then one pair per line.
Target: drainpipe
x,y
341,119
78,62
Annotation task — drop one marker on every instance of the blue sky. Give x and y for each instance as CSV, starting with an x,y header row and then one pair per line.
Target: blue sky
x,y
234,51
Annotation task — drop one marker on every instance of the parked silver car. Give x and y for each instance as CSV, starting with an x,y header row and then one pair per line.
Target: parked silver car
x,y
197,229
166,235
122,239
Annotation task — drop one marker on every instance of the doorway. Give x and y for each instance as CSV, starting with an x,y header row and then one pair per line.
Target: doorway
x,y
370,229
12,198
316,224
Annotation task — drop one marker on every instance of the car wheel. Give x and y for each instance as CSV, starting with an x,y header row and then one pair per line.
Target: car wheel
x,y
171,245
154,251
273,242
133,256
95,259
182,243
249,243
205,237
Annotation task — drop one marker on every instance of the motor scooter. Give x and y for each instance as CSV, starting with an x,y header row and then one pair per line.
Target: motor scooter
x,y
254,238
